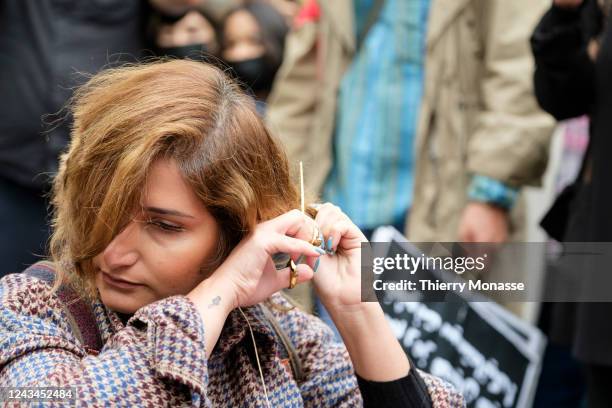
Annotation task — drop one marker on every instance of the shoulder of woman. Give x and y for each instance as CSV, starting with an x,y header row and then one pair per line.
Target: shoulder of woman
x,y
30,311
20,289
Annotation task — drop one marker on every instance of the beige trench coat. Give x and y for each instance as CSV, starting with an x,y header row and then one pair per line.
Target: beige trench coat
x,y
478,114
302,105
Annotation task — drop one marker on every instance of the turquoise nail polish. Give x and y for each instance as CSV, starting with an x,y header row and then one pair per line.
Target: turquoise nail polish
x,y
316,265
322,240
320,251
300,260
330,241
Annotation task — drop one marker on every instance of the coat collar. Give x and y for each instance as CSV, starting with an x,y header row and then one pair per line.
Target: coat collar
x,y
234,332
441,16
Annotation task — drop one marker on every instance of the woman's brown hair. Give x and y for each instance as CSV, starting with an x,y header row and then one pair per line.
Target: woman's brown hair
x,y
126,118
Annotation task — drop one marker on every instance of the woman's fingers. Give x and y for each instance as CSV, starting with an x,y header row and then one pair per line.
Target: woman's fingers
x,y
294,224
276,243
273,280
304,274
338,230
327,215
292,232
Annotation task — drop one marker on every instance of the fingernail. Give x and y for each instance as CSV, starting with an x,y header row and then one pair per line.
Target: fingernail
x,y
330,241
322,240
316,265
300,260
319,251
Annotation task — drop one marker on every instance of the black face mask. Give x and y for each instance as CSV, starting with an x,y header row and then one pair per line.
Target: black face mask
x,y
256,74
195,52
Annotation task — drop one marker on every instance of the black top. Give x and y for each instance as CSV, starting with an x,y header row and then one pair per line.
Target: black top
x,y
565,79
43,45
409,391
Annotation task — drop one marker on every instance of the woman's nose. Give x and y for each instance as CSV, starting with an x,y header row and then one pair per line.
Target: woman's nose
x,y
123,249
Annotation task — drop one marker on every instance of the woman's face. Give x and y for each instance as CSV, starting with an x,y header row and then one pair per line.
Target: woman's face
x,y
242,37
161,251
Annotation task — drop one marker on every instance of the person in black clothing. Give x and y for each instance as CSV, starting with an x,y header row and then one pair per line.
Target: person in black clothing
x,y
44,46
572,46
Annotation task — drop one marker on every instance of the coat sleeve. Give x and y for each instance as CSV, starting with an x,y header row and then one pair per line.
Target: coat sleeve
x,y
291,109
511,136
330,380
158,358
564,76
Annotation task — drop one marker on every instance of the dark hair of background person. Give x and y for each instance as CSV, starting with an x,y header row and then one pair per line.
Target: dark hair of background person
x,y
273,29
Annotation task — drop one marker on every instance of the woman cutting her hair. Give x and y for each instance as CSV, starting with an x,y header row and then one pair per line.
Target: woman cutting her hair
x,y
169,208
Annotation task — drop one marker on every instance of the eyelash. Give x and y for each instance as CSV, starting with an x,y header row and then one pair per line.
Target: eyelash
x,y
164,226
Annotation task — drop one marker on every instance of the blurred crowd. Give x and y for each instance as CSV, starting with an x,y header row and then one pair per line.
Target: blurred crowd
x,y
429,115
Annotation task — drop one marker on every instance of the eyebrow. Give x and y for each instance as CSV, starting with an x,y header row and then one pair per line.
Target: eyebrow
x,y
166,211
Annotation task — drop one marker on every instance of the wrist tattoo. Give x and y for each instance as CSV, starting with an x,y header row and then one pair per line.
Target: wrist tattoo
x,y
215,302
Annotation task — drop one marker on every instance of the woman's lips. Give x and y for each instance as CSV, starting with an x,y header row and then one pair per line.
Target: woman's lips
x,y
116,282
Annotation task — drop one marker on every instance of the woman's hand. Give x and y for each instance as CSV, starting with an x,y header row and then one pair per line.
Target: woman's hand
x,y
248,276
338,277
375,352
250,268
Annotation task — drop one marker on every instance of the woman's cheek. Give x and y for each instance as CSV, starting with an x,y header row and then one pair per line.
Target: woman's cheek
x,y
178,274
175,260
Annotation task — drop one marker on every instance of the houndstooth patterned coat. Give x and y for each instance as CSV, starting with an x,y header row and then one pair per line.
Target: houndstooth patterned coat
x,y
159,358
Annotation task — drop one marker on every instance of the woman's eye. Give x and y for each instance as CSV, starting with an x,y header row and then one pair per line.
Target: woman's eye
x,y
165,226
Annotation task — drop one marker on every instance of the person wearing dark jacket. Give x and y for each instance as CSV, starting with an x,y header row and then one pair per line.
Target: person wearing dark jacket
x,y
572,46
45,45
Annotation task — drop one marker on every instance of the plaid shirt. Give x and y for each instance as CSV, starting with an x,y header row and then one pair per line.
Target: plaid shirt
x,y
159,357
376,119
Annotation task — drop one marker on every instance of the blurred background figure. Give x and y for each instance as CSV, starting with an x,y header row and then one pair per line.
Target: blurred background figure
x,y
217,9
346,103
288,8
445,83
45,46
253,44
193,35
481,135
423,108
573,49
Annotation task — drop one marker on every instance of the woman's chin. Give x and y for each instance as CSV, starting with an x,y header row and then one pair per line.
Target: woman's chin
x,y
122,303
